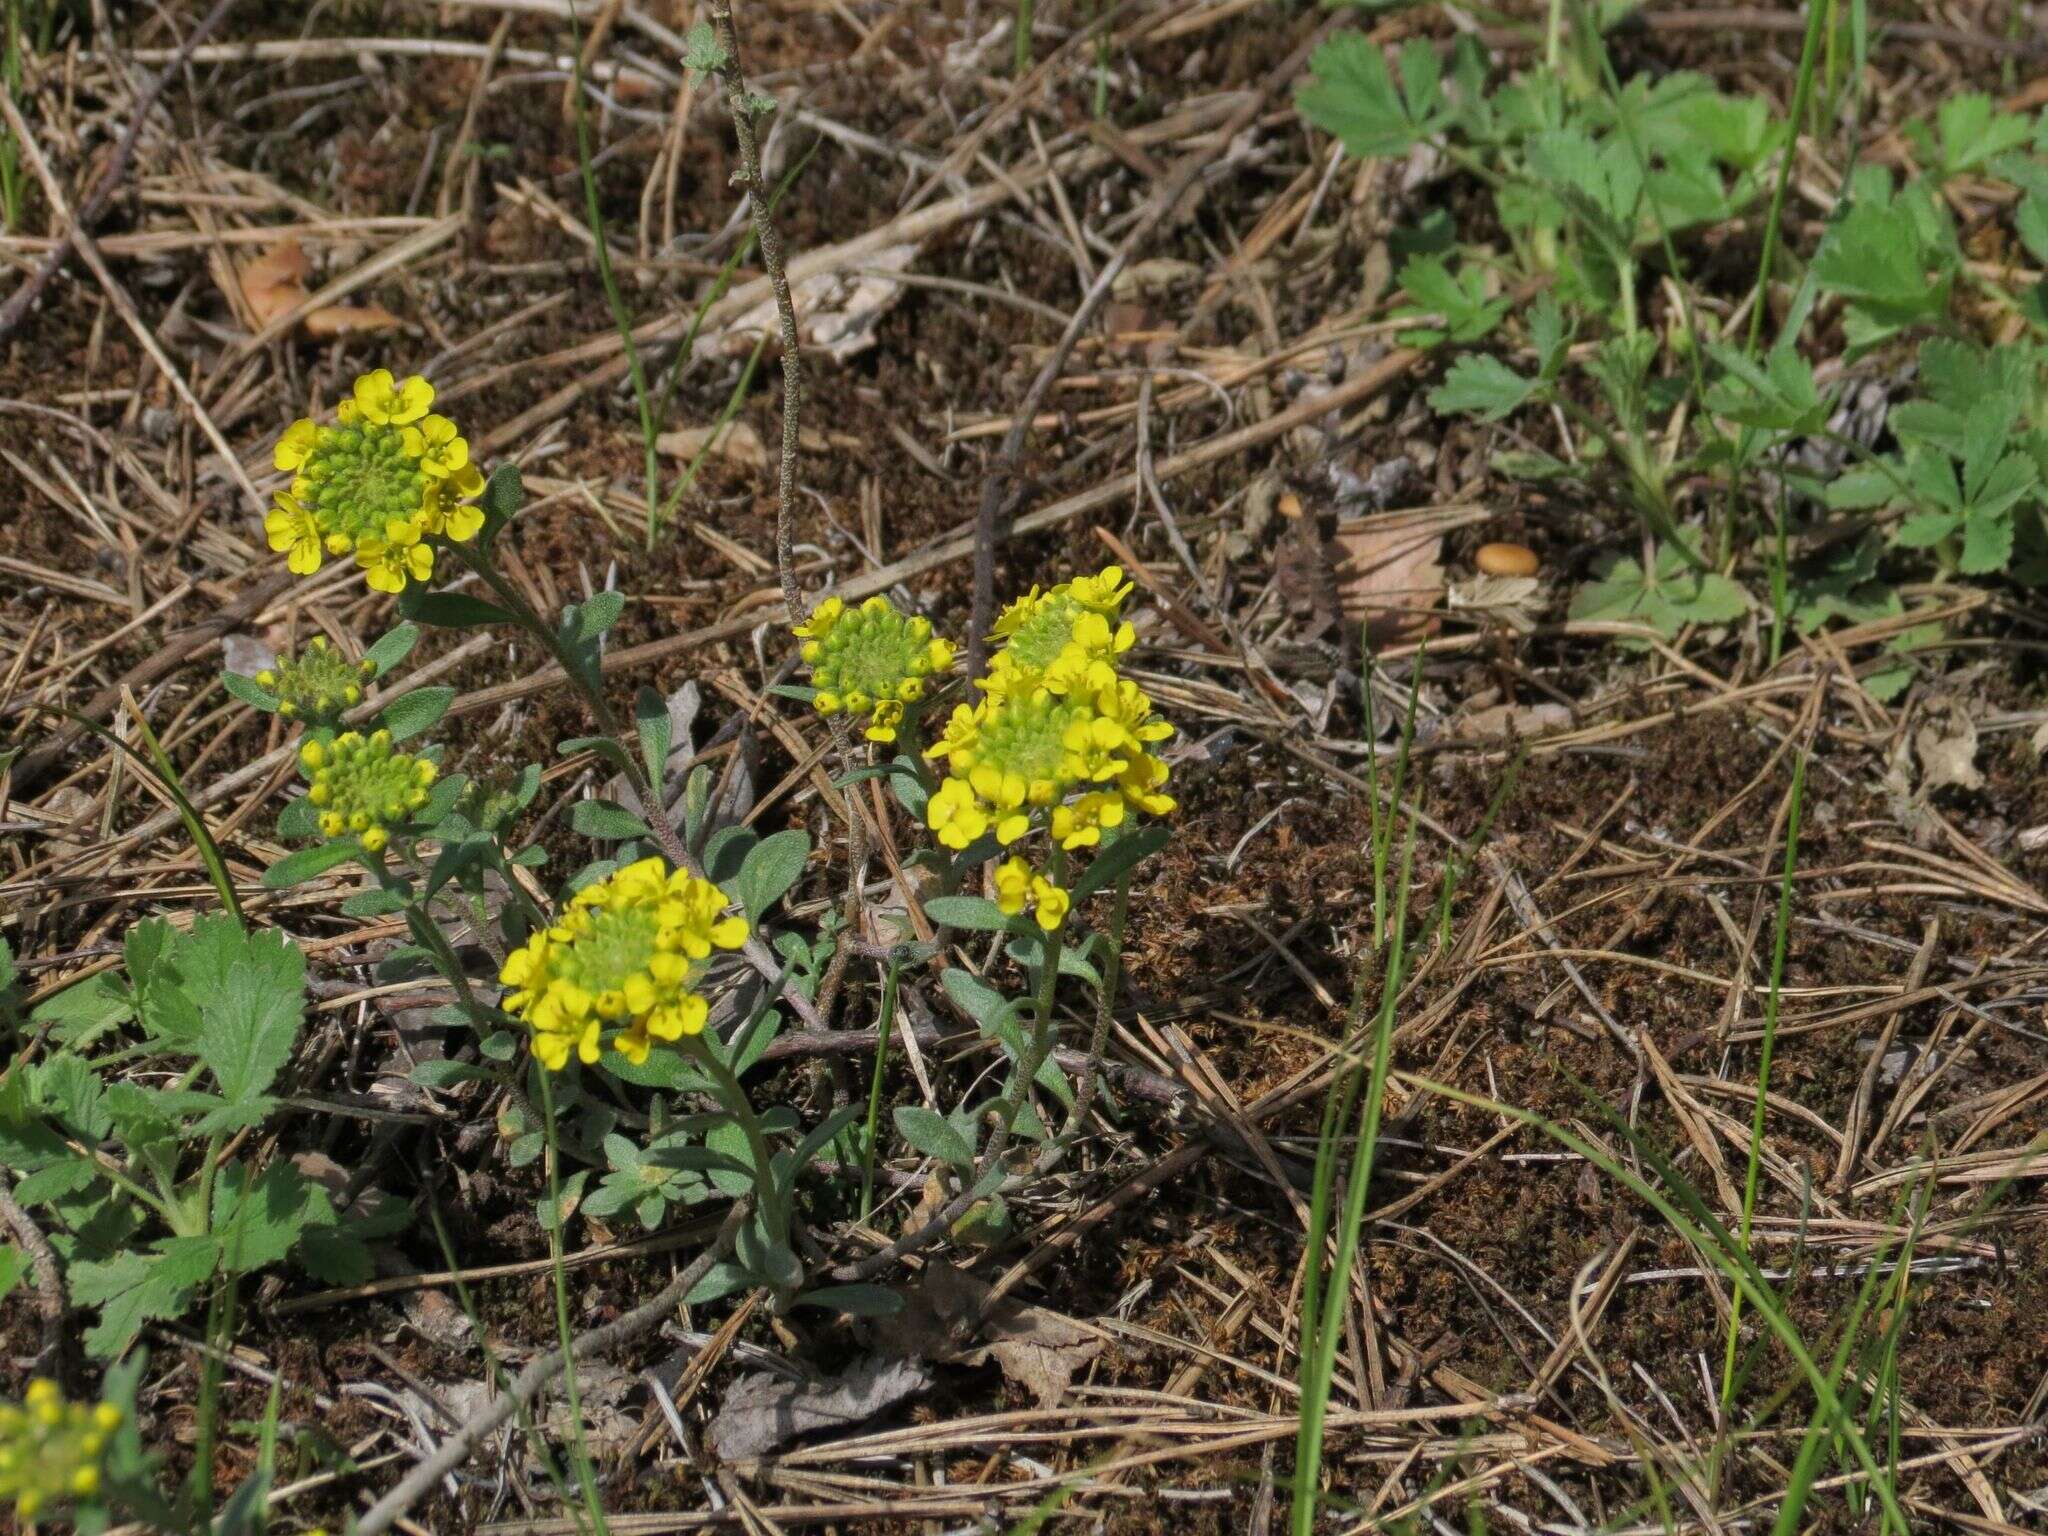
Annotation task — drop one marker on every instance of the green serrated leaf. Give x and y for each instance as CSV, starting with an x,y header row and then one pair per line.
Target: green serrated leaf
x,y
1675,597
249,1032
1351,94
259,1224
702,50
87,1009
1987,541
1482,385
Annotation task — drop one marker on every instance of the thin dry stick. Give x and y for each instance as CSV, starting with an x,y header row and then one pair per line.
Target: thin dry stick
x,y
49,1288
123,305
89,211
456,1449
769,239
1164,203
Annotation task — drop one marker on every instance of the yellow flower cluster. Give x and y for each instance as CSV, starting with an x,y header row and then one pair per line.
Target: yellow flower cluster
x,y
318,683
379,483
1018,885
1060,739
622,956
51,1450
870,660
1066,640
361,786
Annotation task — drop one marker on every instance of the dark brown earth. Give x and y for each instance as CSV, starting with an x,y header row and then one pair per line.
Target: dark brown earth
x,y
1472,1285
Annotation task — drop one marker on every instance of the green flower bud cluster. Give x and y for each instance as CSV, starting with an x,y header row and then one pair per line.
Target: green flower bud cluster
x,y
870,660
318,683
361,787
50,1450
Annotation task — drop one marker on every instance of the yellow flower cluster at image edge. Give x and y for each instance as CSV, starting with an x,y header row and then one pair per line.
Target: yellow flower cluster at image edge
x,y
1060,739
621,957
870,661
51,1450
360,785
380,482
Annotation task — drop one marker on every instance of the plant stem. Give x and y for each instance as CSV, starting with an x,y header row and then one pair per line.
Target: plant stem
x,y
1105,1011
580,1453
766,1191
1780,935
769,238
622,322
1802,93
886,1025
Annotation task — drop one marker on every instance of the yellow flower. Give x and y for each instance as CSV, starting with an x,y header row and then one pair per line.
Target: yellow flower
x,y
389,563
291,530
1045,747
1013,885
954,815
360,785
622,956
382,400
1067,639
51,1450
380,481
822,618
1049,903
1104,592
1081,824
887,716
442,449
296,446
318,683
442,510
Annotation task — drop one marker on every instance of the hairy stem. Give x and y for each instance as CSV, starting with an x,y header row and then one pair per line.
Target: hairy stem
x,y
769,238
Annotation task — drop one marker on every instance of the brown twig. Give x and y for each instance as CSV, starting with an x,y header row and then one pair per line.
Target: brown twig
x,y
88,214
49,1288
1165,202
529,1383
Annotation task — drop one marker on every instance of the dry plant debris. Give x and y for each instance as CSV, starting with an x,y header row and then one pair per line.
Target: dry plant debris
x,y
1358,432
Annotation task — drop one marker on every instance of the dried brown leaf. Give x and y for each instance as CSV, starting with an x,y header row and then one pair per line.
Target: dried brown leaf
x,y
1390,573
738,442
349,320
763,1412
1037,1348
